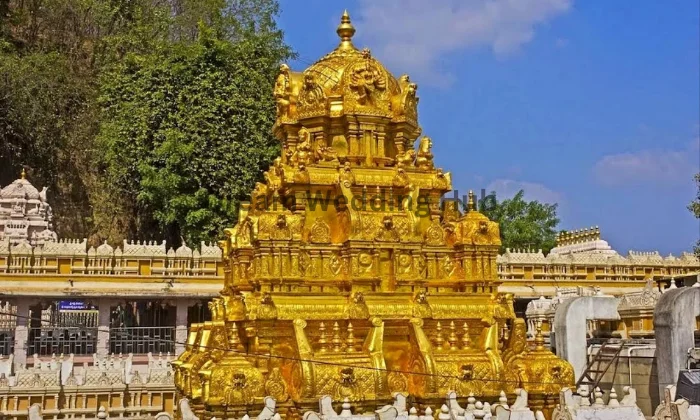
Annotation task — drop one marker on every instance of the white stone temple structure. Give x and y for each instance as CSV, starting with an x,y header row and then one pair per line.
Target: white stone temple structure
x,y
583,259
25,215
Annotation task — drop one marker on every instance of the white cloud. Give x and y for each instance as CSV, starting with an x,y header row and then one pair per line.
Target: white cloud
x,y
651,166
507,188
415,35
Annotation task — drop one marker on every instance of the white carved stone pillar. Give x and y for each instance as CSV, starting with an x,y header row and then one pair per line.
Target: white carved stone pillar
x,y
105,308
22,331
181,325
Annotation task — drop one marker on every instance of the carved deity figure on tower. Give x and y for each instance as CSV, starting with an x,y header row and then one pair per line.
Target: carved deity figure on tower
x,y
407,103
282,92
401,179
346,386
404,81
275,175
406,158
424,157
443,181
323,152
366,80
304,154
312,94
346,176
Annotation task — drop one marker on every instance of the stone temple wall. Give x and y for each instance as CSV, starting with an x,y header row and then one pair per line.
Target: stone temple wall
x,y
57,388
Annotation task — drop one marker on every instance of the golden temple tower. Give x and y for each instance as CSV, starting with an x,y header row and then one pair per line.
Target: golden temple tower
x,y
345,276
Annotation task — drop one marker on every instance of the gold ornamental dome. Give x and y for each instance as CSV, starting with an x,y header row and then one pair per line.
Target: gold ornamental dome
x,y
345,81
348,70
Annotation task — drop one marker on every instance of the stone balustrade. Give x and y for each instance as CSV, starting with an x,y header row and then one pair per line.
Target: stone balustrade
x,y
36,413
399,410
592,262
137,258
574,407
57,388
72,256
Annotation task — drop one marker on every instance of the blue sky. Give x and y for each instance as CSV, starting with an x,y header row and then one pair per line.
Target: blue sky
x,y
592,104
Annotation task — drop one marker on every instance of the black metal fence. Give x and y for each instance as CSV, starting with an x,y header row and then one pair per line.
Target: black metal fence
x,y
46,341
139,340
7,342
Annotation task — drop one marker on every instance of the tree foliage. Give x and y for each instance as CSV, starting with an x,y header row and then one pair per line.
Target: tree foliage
x,y
694,207
46,123
524,224
146,118
187,130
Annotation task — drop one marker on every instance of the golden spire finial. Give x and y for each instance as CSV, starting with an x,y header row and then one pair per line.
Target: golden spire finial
x,y
378,197
471,204
233,337
234,340
24,173
337,342
539,338
452,339
466,340
439,339
345,31
322,341
351,338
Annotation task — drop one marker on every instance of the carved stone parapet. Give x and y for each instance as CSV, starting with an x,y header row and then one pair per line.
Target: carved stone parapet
x,y
573,407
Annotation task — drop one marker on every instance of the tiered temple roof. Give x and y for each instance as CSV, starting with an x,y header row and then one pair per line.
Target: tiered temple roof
x,y
379,289
25,214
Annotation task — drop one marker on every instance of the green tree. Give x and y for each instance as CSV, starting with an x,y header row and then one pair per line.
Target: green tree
x,y
51,55
186,129
47,121
46,126
71,71
694,207
524,224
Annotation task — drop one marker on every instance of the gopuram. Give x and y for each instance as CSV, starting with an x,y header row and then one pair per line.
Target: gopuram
x,y
346,277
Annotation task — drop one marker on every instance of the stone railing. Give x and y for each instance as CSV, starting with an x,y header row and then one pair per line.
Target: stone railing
x,y
73,257
399,410
575,407
643,299
105,390
57,388
35,412
149,258
607,266
651,257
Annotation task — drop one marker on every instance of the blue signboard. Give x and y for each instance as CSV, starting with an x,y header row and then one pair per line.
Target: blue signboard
x,y
72,305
